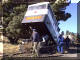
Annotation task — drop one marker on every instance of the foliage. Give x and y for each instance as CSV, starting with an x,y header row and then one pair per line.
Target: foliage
x,y
78,37
14,13
67,32
0,12
59,9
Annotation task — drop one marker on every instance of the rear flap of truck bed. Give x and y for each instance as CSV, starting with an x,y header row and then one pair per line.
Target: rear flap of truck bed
x,y
33,19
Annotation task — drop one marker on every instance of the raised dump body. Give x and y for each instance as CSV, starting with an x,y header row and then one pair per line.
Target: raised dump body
x,y
41,17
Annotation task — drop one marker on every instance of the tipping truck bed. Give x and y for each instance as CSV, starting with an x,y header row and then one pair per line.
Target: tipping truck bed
x,y
42,18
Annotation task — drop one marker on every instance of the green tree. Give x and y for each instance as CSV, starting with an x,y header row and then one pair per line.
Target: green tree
x,y
14,11
78,37
67,32
0,13
13,15
59,9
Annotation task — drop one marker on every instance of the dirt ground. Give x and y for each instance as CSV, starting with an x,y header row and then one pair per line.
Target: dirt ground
x,y
10,49
14,50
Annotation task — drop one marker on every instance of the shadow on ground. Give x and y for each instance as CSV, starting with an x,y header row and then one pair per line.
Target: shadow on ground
x,y
76,50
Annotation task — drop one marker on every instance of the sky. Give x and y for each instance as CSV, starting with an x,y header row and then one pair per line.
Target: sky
x,y
71,23
75,1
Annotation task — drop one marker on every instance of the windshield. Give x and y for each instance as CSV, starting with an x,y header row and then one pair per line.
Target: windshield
x,y
37,7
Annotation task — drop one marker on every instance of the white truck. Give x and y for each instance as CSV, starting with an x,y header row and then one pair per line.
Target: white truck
x,y
41,17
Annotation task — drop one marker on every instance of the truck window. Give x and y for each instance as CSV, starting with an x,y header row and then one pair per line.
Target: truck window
x,y
37,7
